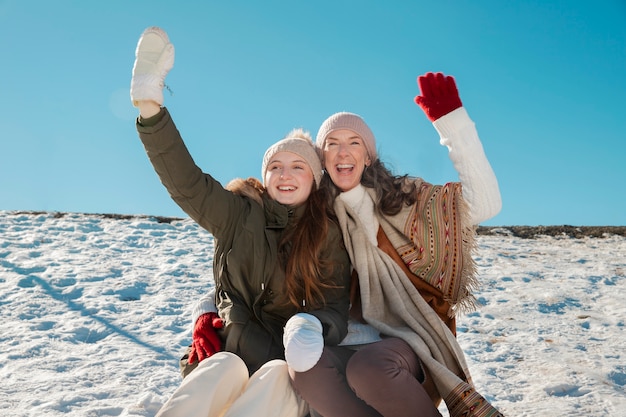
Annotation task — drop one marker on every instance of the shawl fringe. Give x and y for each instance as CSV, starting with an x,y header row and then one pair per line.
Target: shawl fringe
x,y
436,240
391,303
469,272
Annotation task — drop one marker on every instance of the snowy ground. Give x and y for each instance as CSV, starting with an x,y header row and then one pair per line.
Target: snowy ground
x,y
95,312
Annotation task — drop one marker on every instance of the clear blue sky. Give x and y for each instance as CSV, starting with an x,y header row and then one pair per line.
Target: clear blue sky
x,y
544,81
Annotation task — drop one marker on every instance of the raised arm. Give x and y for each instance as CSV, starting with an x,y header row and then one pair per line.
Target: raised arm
x,y
198,194
154,58
440,101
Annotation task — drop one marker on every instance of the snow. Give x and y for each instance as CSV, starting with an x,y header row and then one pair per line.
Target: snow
x,y
96,312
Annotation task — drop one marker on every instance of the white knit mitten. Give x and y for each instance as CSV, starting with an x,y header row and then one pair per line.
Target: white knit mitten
x,y
154,58
303,341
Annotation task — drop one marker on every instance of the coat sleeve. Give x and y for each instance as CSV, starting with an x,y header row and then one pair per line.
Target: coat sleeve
x,y
480,186
198,194
334,314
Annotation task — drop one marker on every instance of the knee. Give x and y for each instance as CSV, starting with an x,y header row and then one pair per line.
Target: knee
x,y
362,369
381,365
275,369
225,362
275,364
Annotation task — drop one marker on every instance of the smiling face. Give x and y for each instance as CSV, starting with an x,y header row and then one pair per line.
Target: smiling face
x,y
345,158
288,179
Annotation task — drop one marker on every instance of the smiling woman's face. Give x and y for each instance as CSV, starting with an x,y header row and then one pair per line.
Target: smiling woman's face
x,y
288,179
345,158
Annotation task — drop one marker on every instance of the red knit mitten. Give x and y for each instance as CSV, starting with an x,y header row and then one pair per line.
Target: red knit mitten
x,y
439,95
205,340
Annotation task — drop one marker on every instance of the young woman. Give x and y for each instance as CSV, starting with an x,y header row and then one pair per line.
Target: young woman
x,y
410,243
281,270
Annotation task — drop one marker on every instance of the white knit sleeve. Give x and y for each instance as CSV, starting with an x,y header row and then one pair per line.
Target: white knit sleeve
x,y
205,304
480,186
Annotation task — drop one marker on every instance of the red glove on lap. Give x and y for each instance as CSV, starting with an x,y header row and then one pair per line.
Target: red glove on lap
x,y
205,340
439,95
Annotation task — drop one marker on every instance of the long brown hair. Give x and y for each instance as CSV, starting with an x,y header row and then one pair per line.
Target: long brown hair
x,y
301,245
300,250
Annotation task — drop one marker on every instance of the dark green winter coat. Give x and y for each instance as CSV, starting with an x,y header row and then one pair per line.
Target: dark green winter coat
x,y
247,272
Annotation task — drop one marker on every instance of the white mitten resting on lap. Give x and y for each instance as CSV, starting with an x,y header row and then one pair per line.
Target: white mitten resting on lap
x,y
304,341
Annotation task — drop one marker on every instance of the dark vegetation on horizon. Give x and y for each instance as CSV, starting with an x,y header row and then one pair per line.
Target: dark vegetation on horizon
x,y
525,232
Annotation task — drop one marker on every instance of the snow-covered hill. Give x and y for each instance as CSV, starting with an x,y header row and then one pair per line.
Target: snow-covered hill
x,y
95,311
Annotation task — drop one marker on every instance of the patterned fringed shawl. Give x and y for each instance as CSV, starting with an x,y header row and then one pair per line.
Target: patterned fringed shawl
x,y
434,239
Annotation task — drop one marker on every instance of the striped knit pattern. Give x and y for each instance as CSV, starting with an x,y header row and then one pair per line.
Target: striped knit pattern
x,y
436,243
466,401
392,304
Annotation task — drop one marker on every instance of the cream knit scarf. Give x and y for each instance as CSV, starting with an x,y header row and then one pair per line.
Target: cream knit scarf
x,y
393,305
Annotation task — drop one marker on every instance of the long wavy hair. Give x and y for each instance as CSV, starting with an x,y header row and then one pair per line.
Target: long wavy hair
x,y
392,191
301,246
300,251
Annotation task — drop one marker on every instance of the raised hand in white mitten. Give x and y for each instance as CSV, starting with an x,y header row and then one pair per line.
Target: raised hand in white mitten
x,y
154,58
304,341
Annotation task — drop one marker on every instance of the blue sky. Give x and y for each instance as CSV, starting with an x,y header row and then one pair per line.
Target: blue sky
x,y
544,81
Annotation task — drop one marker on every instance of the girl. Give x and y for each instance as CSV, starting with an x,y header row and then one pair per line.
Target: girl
x,y
279,260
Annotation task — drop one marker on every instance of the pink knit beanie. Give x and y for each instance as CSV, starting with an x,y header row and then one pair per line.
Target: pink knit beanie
x,y
351,121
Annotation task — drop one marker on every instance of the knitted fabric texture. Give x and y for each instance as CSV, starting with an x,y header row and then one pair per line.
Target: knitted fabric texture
x,y
392,304
350,121
435,240
300,146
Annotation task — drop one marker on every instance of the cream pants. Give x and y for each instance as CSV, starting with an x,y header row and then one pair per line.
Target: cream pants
x,y
220,387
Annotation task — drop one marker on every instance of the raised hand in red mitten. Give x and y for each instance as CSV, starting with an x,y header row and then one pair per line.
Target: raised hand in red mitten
x,y
439,95
205,340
